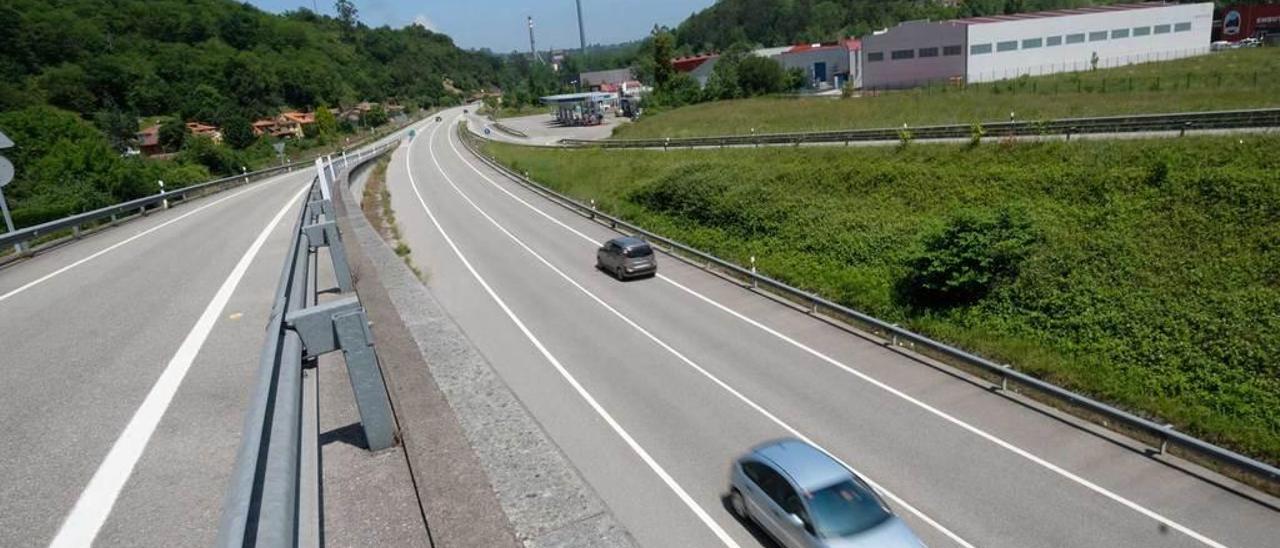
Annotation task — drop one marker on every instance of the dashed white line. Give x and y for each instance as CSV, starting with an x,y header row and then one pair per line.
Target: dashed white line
x,y
568,377
694,365
99,496
877,383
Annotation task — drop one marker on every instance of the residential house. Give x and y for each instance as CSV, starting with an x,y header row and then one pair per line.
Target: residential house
x,y
205,130
287,124
149,141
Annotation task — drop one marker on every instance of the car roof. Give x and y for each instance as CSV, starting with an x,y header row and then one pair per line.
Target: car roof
x,y
808,467
629,241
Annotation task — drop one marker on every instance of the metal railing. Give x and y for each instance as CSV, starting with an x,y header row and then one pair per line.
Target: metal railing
x,y
1180,122
1164,436
272,498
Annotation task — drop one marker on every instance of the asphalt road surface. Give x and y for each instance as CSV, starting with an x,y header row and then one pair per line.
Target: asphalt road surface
x,y
652,387
127,361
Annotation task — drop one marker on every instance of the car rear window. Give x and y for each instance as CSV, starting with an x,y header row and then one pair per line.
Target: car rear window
x,y
845,509
642,250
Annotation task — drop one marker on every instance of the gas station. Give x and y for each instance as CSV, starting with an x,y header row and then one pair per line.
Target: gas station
x,y
581,109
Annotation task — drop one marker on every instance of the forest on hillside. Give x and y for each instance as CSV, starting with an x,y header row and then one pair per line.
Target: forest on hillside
x,y
79,79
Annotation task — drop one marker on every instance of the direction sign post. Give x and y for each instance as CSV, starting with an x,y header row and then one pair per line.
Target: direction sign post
x,y
6,175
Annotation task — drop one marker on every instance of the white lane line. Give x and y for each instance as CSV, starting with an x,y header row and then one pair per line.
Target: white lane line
x,y
568,377
694,365
102,252
877,383
91,510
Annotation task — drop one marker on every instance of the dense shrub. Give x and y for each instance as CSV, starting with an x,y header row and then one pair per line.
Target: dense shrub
x,y
967,258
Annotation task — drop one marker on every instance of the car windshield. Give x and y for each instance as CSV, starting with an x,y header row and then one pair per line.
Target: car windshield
x,y
638,251
845,509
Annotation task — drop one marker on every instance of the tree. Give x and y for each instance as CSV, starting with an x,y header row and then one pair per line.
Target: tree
x,y
967,258
760,76
376,116
347,15
173,134
119,127
663,51
237,132
326,124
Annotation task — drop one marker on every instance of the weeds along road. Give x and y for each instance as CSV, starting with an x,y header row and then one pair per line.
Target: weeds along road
x,y
652,386
127,362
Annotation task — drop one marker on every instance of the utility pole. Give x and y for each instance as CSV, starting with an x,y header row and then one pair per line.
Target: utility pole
x,y
582,34
533,50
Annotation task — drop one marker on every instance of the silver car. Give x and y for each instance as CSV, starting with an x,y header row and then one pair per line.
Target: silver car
x,y
803,497
627,257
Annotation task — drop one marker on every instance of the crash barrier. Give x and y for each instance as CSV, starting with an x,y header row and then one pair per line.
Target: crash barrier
x,y
273,499
1174,122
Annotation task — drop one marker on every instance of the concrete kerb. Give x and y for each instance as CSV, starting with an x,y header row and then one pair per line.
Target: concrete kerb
x,y
486,473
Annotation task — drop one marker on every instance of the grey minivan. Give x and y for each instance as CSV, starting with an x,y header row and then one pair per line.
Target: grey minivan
x,y
805,498
627,257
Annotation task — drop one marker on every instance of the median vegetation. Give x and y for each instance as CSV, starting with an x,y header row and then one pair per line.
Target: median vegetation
x,y
1141,272
1236,79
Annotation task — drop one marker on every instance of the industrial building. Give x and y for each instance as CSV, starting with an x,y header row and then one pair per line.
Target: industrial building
x,y
1261,21
983,49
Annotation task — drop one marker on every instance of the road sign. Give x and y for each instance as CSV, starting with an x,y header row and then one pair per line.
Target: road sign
x,y
486,131
5,142
279,147
6,171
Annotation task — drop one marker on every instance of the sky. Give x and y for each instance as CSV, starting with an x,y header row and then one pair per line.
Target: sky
x,y
500,24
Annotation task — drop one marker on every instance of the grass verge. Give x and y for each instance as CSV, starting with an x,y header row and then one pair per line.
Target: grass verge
x,y
1236,79
376,205
1144,273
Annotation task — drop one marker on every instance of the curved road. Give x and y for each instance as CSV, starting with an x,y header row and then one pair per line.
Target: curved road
x,y
652,386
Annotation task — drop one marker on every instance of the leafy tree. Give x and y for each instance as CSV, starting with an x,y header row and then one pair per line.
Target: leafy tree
x,y
67,86
173,134
376,116
761,75
218,159
237,132
119,127
347,14
326,124
663,51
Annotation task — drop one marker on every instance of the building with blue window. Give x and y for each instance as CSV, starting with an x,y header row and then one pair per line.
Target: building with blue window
x,y
984,49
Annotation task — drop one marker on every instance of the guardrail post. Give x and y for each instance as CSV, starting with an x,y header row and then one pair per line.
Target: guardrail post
x,y
755,280
1164,441
165,202
342,325
326,235
1185,127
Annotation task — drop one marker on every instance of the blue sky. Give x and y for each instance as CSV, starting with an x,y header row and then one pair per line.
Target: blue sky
x,y
500,24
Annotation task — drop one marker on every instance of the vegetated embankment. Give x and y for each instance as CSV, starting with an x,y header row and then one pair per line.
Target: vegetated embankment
x,y
376,205
1237,79
1145,273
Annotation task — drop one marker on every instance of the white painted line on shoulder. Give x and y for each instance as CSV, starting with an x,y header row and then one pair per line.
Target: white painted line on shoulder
x,y
875,382
116,245
99,496
568,377
694,365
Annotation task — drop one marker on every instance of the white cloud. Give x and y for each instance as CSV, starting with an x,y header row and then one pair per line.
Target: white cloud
x,y
425,22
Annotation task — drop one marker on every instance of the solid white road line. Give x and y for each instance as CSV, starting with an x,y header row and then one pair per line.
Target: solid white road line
x,y
932,410
694,365
568,377
91,510
113,247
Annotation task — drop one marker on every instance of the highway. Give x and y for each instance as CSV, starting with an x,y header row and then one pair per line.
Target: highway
x,y
127,361
651,387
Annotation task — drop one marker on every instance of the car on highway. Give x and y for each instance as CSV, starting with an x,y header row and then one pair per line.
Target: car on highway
x,y
437,118
803,497
627,257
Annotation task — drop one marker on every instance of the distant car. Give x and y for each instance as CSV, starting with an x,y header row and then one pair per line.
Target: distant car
x,y
437,118
1219,45
464,111
627,257
803,497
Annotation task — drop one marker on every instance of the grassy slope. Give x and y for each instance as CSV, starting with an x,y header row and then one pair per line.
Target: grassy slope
x,y
1227,80
1153,287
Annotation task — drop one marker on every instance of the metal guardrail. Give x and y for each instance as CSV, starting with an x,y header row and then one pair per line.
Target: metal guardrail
x,y
1166,436
509,130
1180,122
23,237
272,497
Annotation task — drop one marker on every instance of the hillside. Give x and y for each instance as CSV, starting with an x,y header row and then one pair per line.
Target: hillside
x,y
1142,272
778,22
1234,79
77,76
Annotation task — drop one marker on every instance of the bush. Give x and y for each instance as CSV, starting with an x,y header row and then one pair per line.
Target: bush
x,y
961,263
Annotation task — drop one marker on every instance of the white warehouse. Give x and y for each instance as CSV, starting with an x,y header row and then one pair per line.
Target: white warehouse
x,y
1008,46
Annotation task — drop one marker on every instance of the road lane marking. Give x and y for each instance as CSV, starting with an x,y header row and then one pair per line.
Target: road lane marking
x,y
694,365
879,384
46,277
568,377
81,526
